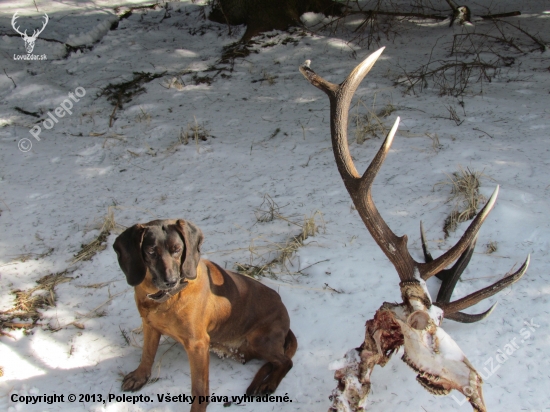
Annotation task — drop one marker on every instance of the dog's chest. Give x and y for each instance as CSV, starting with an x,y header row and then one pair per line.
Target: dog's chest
x,y
164,325
162,319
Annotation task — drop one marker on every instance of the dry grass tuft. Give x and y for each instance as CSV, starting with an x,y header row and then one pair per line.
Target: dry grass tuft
x,y
251,270
29,302
310,226
124,335
89,250
491,247
268,210
370,125
121,93
454,116
194,132
36,256
465,196
267,77
143,117
95,285
267,257
175,82
387,110
436,145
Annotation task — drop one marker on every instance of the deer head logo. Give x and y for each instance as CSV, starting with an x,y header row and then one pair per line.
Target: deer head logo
x,y
29,40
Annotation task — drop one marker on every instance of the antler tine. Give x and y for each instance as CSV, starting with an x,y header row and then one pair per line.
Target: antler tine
x,y
449,279
427,255
46,20
444,274
451,276
394,247
13,19
376,164
429,269
467,318
476,297
340,99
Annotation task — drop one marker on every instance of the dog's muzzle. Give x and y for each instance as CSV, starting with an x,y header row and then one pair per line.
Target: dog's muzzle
x,y
163,295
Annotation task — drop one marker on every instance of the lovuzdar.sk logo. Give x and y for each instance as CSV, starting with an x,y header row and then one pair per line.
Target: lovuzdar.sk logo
x,y
29,40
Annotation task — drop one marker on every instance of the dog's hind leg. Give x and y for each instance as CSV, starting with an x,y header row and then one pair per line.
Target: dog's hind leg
x,y
278,364
291,344
254,387
280,367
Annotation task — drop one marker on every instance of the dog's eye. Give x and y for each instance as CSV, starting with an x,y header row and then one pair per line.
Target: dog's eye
x,y
177,251
152,252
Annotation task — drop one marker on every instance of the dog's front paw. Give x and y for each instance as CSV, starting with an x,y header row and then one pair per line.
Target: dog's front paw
x,y
134,381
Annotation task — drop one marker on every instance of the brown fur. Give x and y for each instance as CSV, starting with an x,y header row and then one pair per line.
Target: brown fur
x,y
216,309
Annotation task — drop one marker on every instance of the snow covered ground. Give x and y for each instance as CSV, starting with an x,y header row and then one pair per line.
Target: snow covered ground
x,y
269,133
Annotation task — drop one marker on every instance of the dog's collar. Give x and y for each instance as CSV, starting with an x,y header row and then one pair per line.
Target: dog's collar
x,y
163,295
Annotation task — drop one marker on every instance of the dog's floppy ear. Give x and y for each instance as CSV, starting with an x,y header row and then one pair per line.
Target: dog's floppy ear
x,y
128,250
192,237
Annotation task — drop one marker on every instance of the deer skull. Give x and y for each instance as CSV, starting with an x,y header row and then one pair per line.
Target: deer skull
x,y
416,323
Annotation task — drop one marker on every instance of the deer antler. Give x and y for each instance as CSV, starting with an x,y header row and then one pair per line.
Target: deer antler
x,y
450,277
415,323
37,32
15,16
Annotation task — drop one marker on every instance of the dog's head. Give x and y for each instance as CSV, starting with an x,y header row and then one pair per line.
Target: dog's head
x,y
170,249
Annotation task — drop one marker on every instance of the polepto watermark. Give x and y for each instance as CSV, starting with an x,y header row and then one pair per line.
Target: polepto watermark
x,y
29,40
60,111
493,363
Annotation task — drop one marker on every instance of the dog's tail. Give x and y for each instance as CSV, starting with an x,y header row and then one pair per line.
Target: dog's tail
x,y
291,344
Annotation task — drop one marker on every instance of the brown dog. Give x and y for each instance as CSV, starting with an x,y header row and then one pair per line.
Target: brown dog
x,y
202,306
